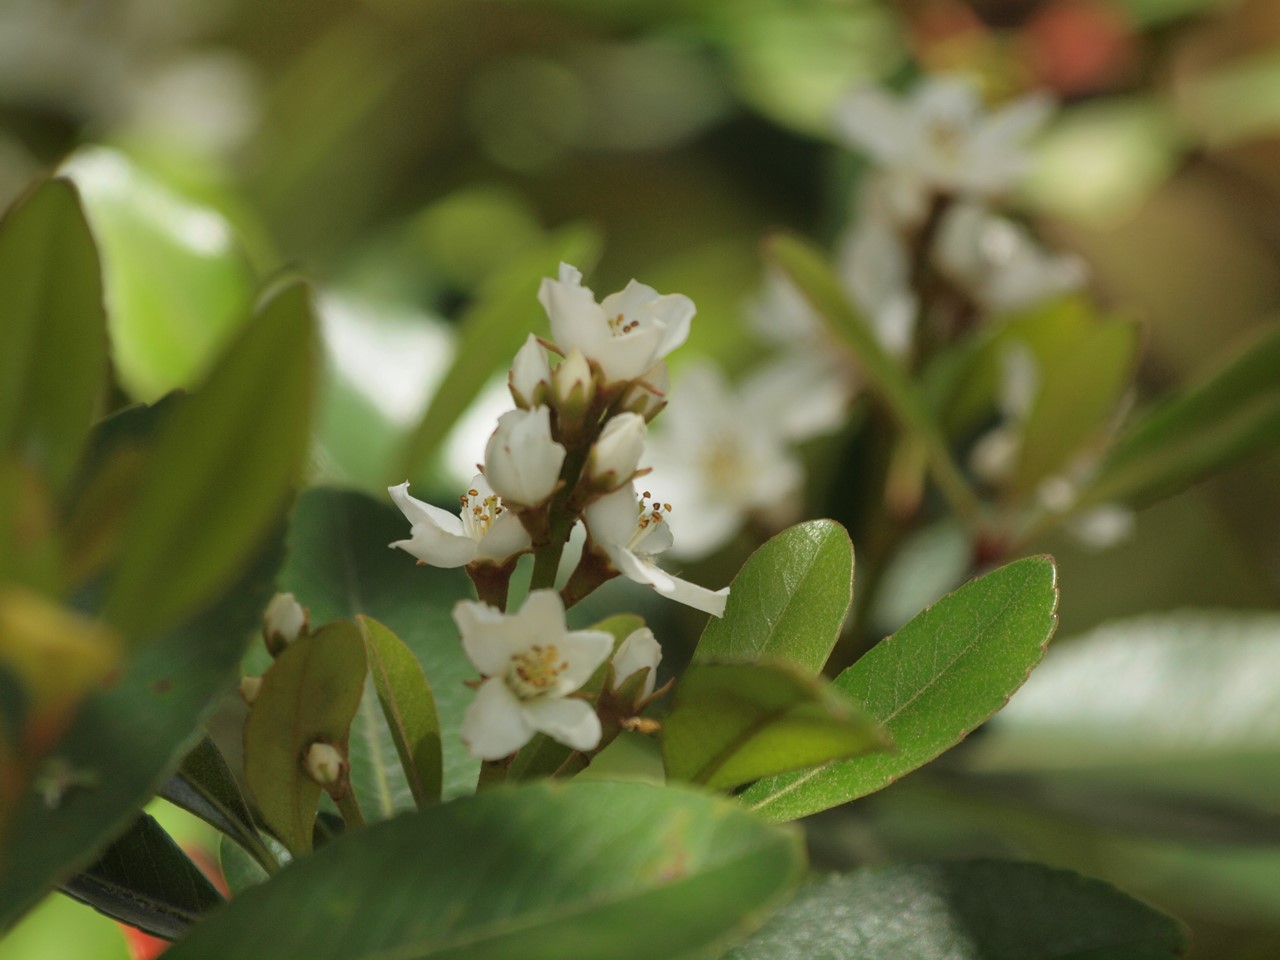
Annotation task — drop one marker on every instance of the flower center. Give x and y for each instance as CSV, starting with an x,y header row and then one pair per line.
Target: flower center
x,y
535,671
478,513
620,326
651,514
946,137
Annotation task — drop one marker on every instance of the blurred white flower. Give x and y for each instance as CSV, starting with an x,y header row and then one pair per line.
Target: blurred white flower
x,y
995,453
723,454
483,530
632,532
521,461
999,262
940,139
874,267
531,664
626,334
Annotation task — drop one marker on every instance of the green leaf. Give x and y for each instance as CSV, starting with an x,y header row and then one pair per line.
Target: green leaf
x,y
408,706
736,722
965,910
205,787
1173,702
489,335
221,471
609,871
807,267
930,684
53,345
339,566
309,695
1232,413
177,282
788,602
128,737
145,880
239,869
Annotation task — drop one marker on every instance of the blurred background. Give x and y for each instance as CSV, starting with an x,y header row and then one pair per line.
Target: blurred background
x,y
404,154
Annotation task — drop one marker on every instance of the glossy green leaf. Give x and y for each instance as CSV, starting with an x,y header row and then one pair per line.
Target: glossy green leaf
x,y
1231,414
965,910
145,880
309,695
205,787
53,347
788,602
222,470
177,283
1175,702
737,722
128,738
930,684
409,708
504,314
608,871
807,267
339,566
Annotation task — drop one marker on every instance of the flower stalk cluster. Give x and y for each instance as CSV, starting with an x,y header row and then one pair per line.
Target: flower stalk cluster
x,y
569,452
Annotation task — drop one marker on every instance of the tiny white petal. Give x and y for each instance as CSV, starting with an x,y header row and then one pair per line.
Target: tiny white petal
x,y
494,724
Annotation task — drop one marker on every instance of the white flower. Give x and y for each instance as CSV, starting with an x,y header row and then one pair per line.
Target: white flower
x,y
483,529
284,620
723,454
530,375
640,651
530,664
626,334
616,455
995,453
631,533
999,263
874,267
521,461
939,137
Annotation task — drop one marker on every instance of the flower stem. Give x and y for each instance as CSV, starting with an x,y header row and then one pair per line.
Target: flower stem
x,y
492,773
349,807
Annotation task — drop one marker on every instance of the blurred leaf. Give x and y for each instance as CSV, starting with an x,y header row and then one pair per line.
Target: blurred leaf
x,y
177,284
808,268
309,695
408,706
339,567
788,602
205,787
620,871
239,869
53,347
127,738
1232,413
966,910
1181,701
221,470
145,880
506,311
737,722
930,684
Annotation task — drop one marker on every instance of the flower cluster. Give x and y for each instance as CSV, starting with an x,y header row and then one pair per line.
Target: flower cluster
x,y
568,453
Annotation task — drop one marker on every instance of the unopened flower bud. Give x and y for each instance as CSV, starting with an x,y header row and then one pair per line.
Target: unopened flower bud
x,y
249,689
574,385
521,461
324,764
616,455
530,376
639,651
284,621
648,395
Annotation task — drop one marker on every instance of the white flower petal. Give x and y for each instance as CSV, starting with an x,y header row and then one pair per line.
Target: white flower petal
x,y
616,455
495,723
583,651
690,594
872,120
612,518
436,536
506,537
487,637
571,722
639,651
418,512
540,620
576,319
529,369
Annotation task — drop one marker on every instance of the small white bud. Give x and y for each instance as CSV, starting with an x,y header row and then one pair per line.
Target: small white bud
x,y
284,621
530,375
324,764
573,383
616,455
521,461
639,651
250,687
